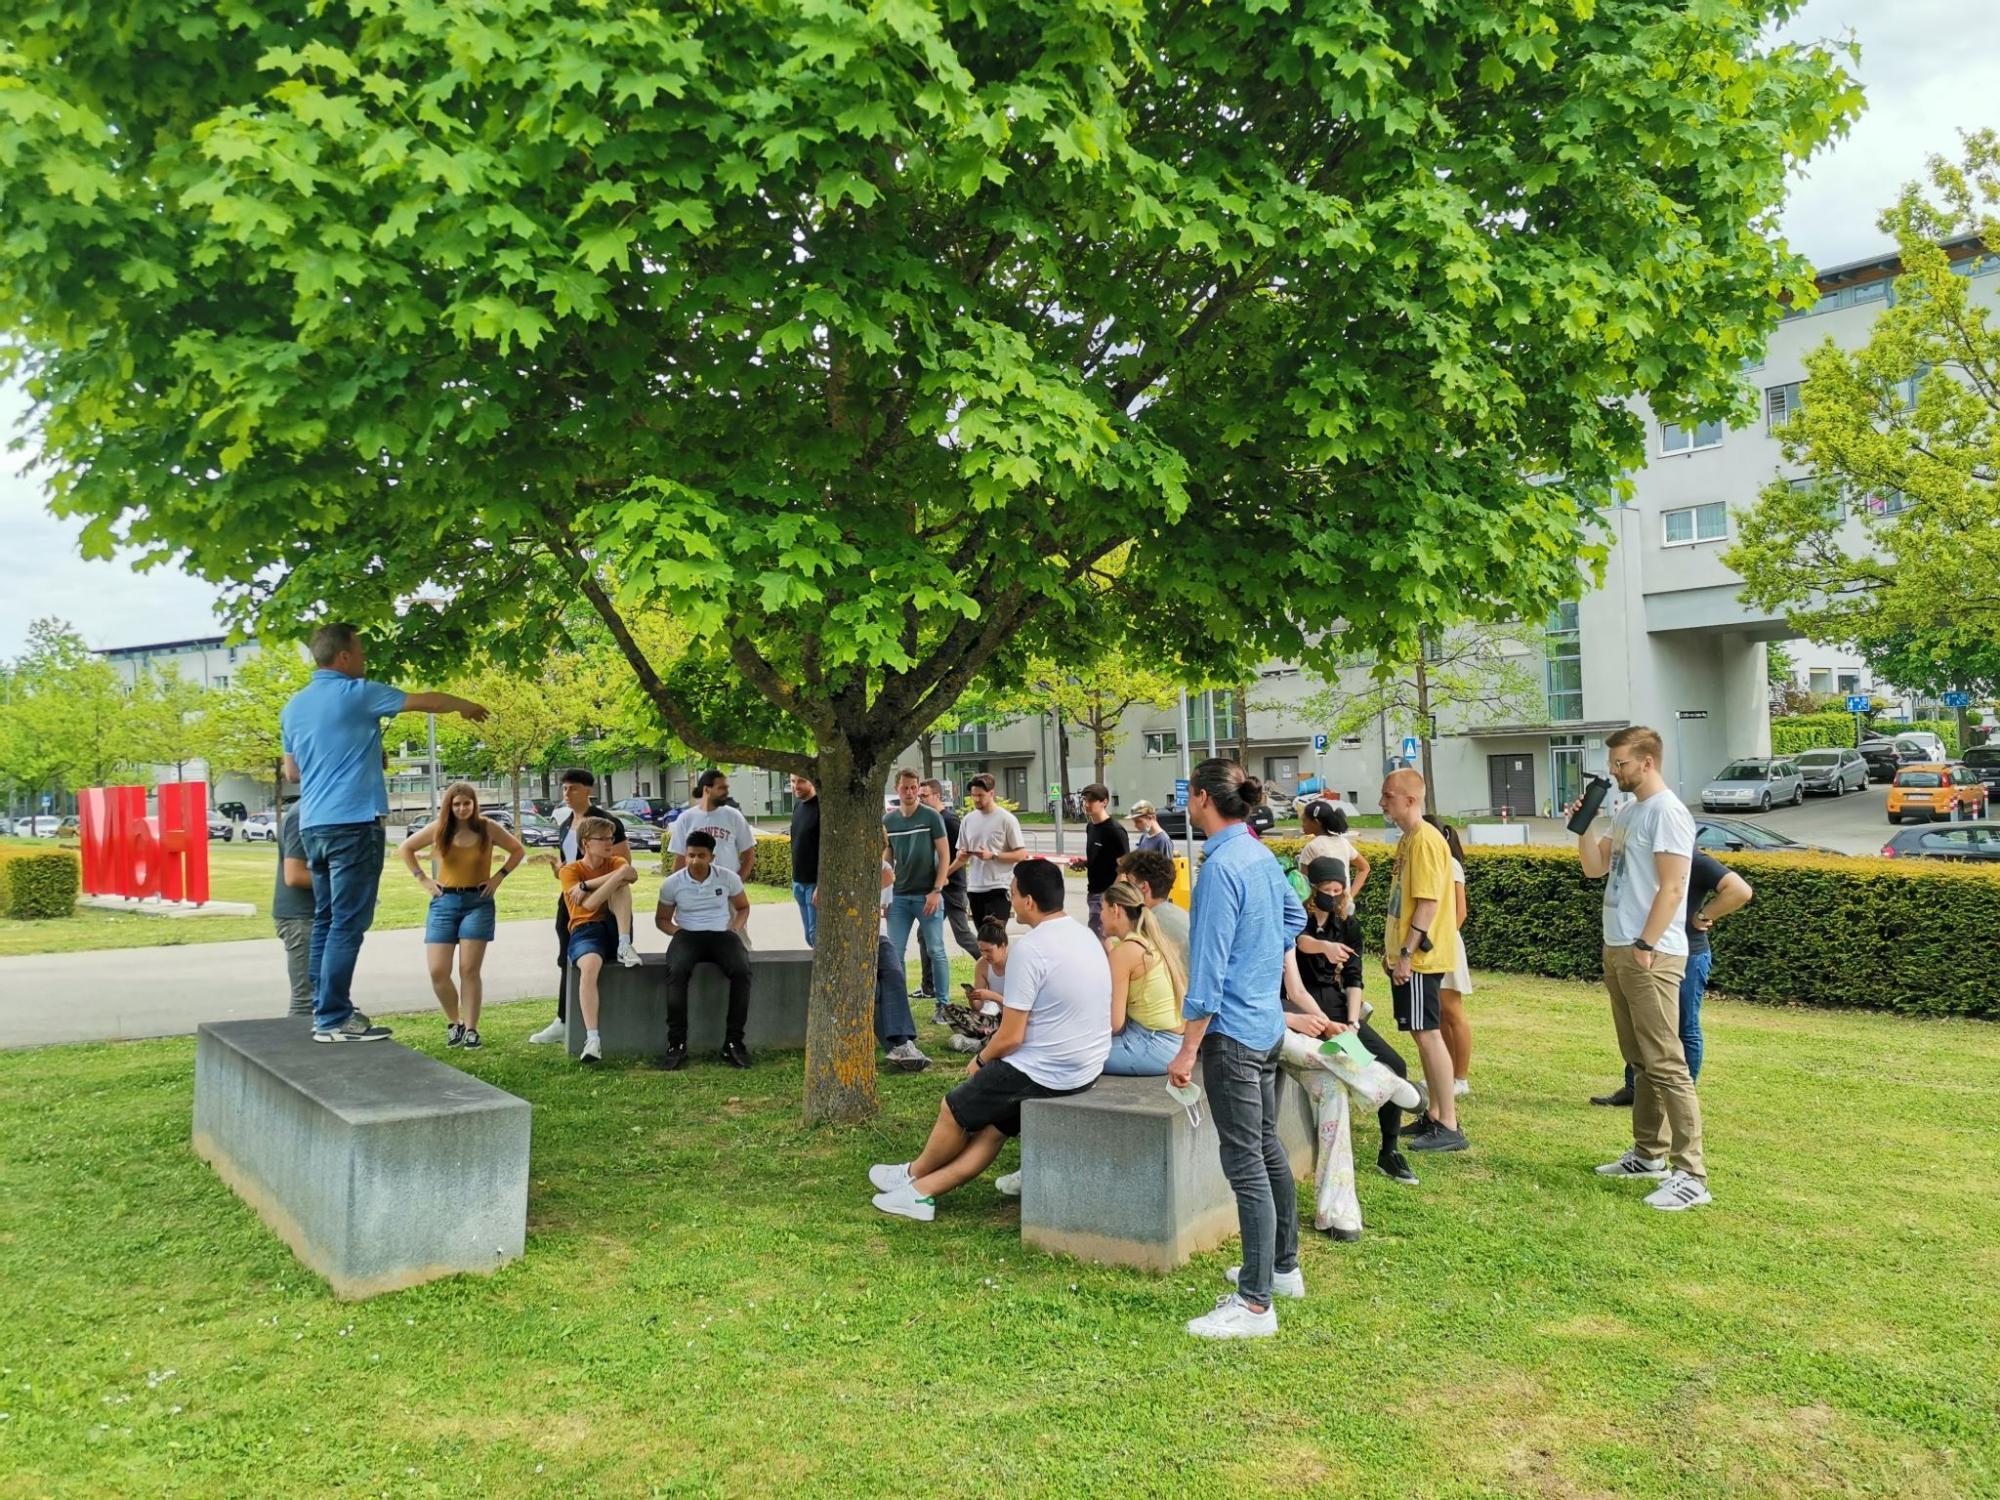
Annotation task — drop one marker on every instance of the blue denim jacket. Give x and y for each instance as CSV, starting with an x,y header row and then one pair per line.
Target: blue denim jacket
x,y
1245,917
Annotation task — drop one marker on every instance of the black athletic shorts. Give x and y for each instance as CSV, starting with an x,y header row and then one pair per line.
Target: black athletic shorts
x,y
994,1096
1417,1004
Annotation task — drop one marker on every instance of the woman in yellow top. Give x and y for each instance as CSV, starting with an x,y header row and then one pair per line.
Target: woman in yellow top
x,y
1148,985
461,918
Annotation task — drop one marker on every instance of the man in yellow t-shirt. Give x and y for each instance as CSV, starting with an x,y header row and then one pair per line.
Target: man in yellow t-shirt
x,y
1420,951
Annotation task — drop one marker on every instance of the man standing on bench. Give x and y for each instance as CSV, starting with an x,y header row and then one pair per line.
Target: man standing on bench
x,y
702,909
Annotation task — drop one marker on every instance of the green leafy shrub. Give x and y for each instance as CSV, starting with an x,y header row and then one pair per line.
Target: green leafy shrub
x,y
40,884
772,864
1796,733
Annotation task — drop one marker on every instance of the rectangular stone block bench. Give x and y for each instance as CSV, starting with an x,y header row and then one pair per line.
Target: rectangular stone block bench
x,y
632,1005
1115,1175
379,1166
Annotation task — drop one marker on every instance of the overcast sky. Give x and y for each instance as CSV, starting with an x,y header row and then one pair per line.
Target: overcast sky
x,y
1931,68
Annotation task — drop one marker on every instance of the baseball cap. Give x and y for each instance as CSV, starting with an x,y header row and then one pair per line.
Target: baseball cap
x,y
1142,809
1325,868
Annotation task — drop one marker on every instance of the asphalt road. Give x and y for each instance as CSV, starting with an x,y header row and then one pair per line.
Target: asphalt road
x,y
1854,824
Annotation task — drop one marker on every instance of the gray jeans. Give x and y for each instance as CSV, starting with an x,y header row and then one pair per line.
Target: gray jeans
x,y
296,933
958,911
1242,1087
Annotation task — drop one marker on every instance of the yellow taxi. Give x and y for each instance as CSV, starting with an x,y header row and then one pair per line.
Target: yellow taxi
x,y
1935,789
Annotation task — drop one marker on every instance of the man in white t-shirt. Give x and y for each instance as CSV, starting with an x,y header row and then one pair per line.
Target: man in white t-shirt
x,y
989,846
710,813
1644,864
703,909
1055,1032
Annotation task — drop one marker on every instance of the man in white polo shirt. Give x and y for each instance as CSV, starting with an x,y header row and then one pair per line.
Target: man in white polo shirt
x,y
702,908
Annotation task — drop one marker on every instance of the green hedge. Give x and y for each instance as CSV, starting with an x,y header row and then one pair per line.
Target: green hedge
x,y
1914,936
1797,733
773,862
40,884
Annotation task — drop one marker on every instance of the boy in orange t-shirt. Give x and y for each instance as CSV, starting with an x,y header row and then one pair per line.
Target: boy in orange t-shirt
x,y
597,889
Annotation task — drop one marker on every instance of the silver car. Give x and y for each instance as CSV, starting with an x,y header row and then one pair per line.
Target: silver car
x,y
1834,771
1758,784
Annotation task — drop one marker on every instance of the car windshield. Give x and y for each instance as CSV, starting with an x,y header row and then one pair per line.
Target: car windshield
x,y
1817,758
1918,778
1742,770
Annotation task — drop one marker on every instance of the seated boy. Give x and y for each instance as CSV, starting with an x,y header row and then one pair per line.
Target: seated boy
x,y
597,890
702,908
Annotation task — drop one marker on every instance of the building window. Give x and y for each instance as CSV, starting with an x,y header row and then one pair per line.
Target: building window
x,y
1697,523
1836,508
1820,680
219,683
1888,503
232,656
1674,438
1225,718
1976,265
1565,665
967,739
1847,682
1782,403
1163,742
1846,296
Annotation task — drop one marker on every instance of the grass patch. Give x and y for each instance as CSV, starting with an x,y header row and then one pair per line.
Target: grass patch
x,y
244,872
710,1306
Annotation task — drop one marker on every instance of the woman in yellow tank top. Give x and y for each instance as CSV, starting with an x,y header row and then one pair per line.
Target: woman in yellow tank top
x,y
1147,986
461,918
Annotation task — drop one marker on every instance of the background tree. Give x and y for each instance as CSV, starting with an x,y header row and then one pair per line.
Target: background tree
x,y
67,722
240,723
1096,694
165,713
1895,548
862,340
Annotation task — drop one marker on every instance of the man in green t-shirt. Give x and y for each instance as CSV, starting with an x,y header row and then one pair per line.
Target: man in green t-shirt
x,y
921,856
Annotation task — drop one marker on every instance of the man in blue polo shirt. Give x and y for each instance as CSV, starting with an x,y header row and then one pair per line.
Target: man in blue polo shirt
x,y
332,734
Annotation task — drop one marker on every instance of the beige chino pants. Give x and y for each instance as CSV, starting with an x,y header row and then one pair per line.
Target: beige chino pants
x,y
1646,1010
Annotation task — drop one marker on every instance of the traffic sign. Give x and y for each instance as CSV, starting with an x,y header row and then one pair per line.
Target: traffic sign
x,y
1319,743
1956,699
1180,790
1055,788
1409,747
1859,703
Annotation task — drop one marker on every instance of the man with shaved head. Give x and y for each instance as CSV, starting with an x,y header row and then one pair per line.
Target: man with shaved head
x,y
1420,950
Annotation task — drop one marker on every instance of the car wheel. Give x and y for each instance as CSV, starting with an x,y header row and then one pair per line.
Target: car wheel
x,y
1764,805
1799,796
1895,821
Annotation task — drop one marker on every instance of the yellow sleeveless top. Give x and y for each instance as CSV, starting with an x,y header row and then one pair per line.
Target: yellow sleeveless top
x,y
464,864
1149,997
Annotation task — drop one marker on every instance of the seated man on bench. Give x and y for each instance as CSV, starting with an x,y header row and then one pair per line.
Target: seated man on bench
x,y
703,909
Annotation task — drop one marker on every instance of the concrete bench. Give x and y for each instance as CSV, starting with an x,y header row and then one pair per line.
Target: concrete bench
x,y
1115,1175
379,1166
632,1005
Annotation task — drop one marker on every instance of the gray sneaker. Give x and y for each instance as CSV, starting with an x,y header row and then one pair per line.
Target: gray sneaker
x,y
356,1028
907,1058
1440,1137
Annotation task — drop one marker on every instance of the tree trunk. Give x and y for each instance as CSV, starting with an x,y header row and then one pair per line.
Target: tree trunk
x,y
840,1027
1097,731
924,748
1424,734
1243,728
515,777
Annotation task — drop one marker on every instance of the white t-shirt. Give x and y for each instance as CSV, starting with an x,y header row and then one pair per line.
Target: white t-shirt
x,y
999,831
1328,846
1058,973
701,906
734,836
1658,824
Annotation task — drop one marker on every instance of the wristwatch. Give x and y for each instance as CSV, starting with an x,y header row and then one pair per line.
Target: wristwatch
x,y
1642,945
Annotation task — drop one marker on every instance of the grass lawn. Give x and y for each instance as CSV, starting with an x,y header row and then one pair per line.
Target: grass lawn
x,y
709,1305
244,872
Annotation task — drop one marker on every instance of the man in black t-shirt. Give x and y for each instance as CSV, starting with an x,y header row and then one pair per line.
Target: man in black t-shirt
x,y
579,802
805,853
1714,891
1105,842
957,905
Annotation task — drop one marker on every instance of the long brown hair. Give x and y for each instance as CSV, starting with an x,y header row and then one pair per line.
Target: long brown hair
x,y
448,824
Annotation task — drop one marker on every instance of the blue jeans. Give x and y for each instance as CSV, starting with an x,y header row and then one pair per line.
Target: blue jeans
x,y
1242,1088
346,863
1694,986
808,913
905,910
893,1021
1141,1052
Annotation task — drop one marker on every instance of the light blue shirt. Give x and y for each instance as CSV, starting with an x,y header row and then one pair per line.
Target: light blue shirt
x,y
1245,918
333,728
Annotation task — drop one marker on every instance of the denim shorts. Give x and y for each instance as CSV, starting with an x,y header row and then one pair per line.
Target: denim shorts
x,y
459,917
599,937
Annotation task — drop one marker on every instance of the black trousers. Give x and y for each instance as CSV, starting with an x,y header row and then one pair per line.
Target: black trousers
x,y
986,904
726,951
1333,1003
562,956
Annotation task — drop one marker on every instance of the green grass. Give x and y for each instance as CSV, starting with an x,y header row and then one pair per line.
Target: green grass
x,y
709,1305
244,872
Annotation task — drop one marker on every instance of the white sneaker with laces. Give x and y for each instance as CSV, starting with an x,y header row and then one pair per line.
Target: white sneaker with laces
x,y
1679,1191
593,1050
627,954
889,1175
908,1058
1233,1318
904,1202
1460,1087
1290,1283
553,1032
1632,1164
1008,1186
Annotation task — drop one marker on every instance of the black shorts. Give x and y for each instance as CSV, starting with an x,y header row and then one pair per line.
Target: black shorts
x,y
994,1096
986,904
1417,1004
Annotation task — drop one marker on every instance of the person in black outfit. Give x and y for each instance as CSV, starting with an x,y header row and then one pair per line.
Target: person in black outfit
x,y
1105,842
1329,960
579,790
805,854
957,906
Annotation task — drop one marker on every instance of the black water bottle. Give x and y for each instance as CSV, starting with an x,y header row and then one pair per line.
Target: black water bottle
x,y
1595,789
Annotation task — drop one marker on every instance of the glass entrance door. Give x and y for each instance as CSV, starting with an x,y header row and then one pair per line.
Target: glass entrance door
x,y
1565,771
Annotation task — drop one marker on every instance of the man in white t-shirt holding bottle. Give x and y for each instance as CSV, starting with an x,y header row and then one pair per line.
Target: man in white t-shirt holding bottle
x,y
710,813
989,846
1055,1032
1644,864
702,908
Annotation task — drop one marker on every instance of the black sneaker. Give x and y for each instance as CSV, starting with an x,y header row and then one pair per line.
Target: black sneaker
x,y
471,1042
1618,1098
674,1058
923,992
1391,1164
736,1054
1418,1125
1437,1138
454,1035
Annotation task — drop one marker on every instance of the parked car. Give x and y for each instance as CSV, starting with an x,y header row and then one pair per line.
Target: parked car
x,y
1754,783
45,826
1174,823
1733,835
69,828
1983,761
235,811
1883,761
222,828
654,810
261,829
1962,841
1834,771
538,832
642,835
1936,789
1926,746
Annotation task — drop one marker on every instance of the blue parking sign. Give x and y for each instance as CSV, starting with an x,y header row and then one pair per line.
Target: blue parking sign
x,y
1319,743
1858,703
1180,791
1957,700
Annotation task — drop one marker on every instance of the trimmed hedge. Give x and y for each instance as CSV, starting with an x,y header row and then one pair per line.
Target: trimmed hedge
x,y
1796,733
1914,936
40,883
773,862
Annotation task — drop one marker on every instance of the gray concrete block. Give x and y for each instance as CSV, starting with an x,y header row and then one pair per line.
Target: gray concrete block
x,y
380,1167
632,1005
1115,1175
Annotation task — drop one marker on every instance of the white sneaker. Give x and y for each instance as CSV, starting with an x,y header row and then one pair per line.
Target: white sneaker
x,y
1290,1283
593,1050
903,1200
627,954
1232,1318
555,1031
1460,1087
1632,1164
1679,1191
1008,1186
907,1058
959,1043
889,1175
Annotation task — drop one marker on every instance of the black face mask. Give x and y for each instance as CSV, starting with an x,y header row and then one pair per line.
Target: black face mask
x,y
1326,903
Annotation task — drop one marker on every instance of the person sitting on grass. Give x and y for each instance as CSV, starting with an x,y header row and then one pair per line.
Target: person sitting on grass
x,y
703,909
979,1017
1148,983
1055,1030
598,890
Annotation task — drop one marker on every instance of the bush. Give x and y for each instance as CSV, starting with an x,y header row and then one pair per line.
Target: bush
x,y
1835,731
772,864
39,883
1912,936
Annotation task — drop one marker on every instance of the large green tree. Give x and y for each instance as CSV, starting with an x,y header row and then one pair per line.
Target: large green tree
x,y
862,337
240,723
67,721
